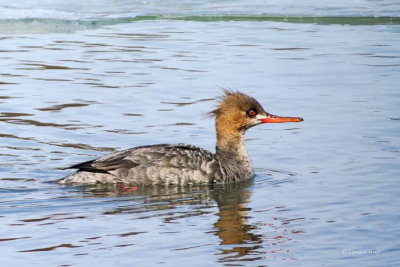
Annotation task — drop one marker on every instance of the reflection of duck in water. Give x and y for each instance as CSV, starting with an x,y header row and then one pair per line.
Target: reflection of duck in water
x,y
181,164
231,225
241,235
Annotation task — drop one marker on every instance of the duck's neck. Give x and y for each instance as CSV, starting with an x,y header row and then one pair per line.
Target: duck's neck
x,y
231,145
232,154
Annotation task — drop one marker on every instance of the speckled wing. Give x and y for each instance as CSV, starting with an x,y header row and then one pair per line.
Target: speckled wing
x,y
174,164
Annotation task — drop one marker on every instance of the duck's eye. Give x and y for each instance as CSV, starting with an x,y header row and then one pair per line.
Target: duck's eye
x,y
252,113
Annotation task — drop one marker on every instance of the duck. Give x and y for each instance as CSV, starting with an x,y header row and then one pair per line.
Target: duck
x,y
180,164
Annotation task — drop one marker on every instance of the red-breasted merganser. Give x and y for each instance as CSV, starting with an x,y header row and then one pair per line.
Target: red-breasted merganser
x,y
182,164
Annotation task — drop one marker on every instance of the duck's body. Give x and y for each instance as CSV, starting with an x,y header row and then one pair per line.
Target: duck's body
x,y
182,164
168,164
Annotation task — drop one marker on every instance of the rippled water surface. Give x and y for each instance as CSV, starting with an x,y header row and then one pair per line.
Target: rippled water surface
x,y
326,191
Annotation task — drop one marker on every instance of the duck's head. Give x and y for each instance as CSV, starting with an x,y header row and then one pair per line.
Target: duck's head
x,y
237,112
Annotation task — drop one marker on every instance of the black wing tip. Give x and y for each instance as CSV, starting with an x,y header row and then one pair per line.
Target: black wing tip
x,y
82,165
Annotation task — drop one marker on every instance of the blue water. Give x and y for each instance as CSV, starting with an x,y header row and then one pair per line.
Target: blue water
x,y
79,80
123,8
